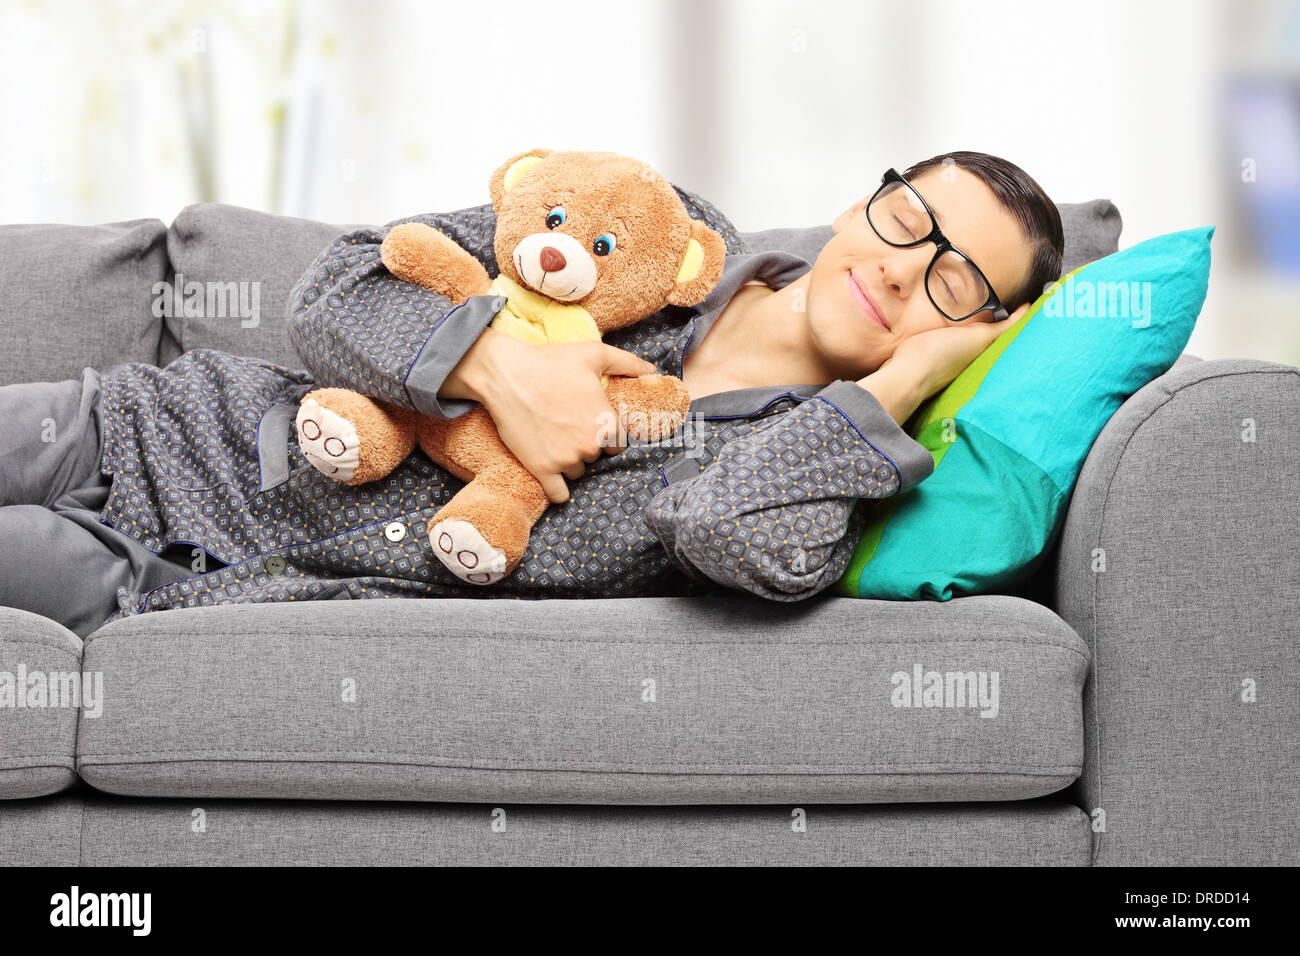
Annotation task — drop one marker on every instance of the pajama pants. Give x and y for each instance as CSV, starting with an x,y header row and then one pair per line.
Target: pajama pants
x,y
56,558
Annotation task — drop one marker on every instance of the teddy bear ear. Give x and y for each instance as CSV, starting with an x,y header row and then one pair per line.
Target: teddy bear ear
x,y
701,266
508,172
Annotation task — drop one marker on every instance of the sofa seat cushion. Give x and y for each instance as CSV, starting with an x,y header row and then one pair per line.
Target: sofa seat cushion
x,y
40,693
638,701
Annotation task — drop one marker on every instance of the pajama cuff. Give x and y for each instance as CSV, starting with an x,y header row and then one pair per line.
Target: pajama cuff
x,y
878,429
443,349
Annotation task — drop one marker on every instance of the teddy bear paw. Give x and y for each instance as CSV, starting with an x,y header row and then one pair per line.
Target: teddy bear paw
x,y
466,554
328,440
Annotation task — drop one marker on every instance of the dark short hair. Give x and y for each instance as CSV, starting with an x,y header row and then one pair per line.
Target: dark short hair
x,y
1021,196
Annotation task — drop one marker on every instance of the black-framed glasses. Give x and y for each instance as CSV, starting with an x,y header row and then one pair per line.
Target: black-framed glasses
x,y
953,282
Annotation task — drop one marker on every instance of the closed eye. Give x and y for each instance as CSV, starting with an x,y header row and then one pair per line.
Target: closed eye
x,y
909,232
948,289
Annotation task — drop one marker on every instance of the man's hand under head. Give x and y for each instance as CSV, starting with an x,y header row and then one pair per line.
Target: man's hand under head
x,y
927,362
546,400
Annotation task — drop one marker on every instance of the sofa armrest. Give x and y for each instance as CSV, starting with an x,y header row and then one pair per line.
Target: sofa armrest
x,y
1178,565
40,697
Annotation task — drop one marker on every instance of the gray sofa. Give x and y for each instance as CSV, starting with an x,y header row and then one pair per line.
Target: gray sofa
x,y
1146,713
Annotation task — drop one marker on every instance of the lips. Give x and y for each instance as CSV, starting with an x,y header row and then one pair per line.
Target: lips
x,y
864,301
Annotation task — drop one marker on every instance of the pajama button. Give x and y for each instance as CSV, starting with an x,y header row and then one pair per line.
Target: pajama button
x,y
274,564
395,531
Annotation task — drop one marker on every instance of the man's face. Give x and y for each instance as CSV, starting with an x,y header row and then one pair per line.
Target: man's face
x,y
894,279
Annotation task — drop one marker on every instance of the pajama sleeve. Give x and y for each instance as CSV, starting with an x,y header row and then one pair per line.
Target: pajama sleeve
x,y
356,325
777,512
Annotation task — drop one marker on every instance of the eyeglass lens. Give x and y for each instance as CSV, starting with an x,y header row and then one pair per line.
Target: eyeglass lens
x,y
900,218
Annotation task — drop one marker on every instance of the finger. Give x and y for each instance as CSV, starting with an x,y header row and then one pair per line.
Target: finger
x,y
985,334
1015,316
993,330
981,343
615,361
573,472
555,488
609,440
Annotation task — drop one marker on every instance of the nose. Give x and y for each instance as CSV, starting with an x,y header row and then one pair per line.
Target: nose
x,y
901,269
552,259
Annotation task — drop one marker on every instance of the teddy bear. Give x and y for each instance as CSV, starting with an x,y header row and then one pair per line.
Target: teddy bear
x,y
586,242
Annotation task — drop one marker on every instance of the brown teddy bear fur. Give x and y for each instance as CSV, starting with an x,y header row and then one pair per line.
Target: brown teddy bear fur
x,y
656,262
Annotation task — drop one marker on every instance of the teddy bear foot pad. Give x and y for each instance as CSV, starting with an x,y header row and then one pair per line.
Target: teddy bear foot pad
x,y
328,441
459,546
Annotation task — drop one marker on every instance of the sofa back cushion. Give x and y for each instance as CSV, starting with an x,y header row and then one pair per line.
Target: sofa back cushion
x,y
77,296
246,263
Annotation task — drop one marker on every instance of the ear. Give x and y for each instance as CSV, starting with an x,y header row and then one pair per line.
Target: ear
x,y
508,173
848,215
701,266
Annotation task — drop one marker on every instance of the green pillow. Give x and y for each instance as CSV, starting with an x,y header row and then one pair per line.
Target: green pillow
x,y
1011,432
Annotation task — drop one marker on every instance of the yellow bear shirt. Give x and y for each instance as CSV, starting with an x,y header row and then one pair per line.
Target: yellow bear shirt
x,y
539,319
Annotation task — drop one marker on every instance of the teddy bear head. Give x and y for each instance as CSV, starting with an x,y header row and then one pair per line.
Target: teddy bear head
x,y
602,231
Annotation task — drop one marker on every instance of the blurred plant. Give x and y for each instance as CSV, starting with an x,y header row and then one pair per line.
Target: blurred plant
x,y
183,39
277,46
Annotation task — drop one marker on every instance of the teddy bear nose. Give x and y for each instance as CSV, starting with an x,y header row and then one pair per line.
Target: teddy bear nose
x,y
552,259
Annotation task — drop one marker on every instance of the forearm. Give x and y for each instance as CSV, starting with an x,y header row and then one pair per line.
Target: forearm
x,y
357,326
485,364
783,553
790,534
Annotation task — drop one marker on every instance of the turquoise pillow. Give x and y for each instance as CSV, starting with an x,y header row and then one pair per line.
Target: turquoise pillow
x,y
1011,432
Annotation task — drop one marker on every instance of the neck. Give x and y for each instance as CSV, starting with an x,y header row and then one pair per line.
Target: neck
x,y
763,338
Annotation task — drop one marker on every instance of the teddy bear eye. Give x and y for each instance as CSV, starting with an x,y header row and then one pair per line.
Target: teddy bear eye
x,y
604,244
555,218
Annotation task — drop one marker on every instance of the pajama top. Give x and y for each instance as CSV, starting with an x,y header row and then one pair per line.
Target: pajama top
x,y
759,490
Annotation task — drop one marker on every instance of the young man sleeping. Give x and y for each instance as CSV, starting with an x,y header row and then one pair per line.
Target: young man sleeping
x,y
184,486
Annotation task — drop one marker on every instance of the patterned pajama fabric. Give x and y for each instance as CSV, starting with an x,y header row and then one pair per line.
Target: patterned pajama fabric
x,y
775,512
759,491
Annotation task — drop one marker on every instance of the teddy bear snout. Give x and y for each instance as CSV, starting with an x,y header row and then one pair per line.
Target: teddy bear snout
x,y
552,259
556,265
